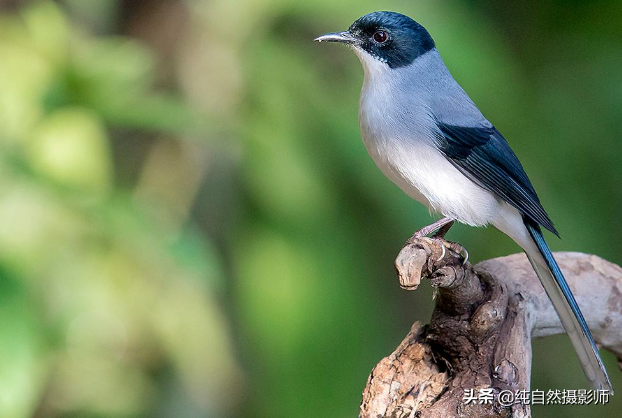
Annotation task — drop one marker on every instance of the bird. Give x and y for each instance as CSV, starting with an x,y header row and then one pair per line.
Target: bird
x,y
428,137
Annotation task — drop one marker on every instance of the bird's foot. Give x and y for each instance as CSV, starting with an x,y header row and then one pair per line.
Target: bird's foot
x,y
429,257
441,227
453,246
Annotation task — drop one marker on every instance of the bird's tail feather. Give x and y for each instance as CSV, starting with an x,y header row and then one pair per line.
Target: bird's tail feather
x,y
566,306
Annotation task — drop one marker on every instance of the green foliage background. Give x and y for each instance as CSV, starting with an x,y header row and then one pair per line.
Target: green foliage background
x,y
191,227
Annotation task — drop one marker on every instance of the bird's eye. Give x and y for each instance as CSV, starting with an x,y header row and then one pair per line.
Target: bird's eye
x,y
381,36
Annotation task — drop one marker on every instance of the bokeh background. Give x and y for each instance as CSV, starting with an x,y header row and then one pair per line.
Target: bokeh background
x,y
191,227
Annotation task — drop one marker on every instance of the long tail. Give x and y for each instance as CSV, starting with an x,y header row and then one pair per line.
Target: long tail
x,y
566,306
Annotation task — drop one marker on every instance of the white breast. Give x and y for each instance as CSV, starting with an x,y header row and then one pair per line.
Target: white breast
x,y
398,130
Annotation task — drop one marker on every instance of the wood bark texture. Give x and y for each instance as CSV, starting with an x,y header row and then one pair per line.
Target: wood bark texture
x,y
480,332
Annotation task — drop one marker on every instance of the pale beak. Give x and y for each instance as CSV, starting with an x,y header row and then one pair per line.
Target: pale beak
x,y
343,37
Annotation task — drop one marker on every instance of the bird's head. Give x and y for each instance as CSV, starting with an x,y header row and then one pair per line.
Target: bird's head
x,y
388,37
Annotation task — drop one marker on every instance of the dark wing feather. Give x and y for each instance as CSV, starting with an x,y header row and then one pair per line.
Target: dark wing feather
x,y
483,155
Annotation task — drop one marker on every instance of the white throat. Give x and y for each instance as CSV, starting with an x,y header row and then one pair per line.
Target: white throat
x,y
372,66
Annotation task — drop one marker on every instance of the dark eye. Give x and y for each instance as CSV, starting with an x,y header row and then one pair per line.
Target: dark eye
x,y
381,36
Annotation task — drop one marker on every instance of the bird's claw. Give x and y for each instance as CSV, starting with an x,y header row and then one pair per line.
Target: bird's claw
x,y
443,253
465,256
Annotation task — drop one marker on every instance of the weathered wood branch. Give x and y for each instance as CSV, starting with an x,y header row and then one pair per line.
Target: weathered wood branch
x,y
480,332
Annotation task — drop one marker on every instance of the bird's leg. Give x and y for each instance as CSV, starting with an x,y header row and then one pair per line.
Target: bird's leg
x,y
442,225
443,229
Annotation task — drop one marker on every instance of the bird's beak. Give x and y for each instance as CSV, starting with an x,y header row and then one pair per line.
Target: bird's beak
x,y
343,37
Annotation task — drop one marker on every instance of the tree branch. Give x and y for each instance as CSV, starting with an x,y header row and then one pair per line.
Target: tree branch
x,y
480,332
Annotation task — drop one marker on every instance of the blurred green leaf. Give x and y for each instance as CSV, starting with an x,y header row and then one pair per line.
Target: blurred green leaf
x,y
70,146
22,359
